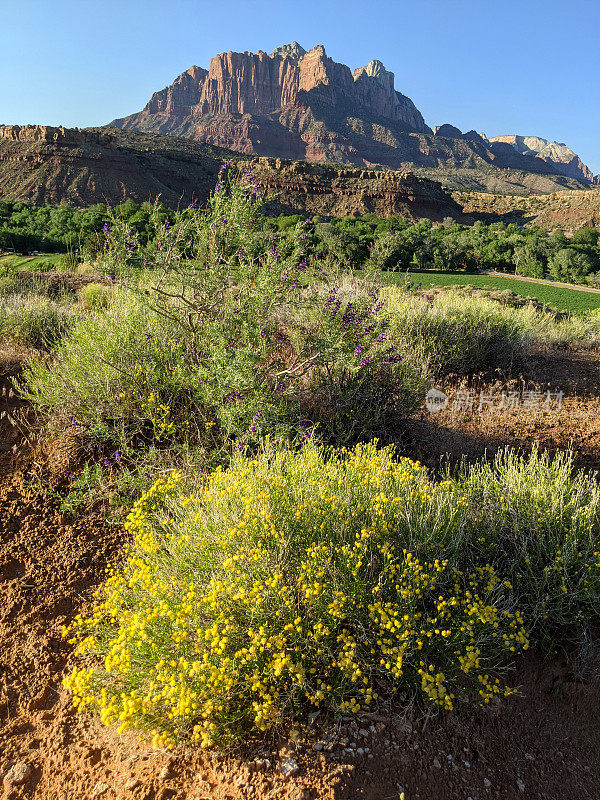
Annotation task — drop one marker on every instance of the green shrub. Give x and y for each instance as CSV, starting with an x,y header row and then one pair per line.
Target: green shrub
x,y
94,296
225,338
34,321
294,580
538,521
458,334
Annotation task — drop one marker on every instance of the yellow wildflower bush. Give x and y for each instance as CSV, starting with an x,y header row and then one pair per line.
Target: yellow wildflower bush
x,y
295,580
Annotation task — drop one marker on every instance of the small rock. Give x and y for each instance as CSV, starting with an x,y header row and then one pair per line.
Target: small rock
x,y
317,746
132,784
165,772
18,773
487,783
289,767
521,785
298,793
360,751
466,763
436,763
362,732
99,788
529,757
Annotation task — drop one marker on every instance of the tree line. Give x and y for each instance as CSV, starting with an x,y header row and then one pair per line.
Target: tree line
x,y
401,243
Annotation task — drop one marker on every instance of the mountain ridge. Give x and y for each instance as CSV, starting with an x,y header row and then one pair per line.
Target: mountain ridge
x,y
45,165
302,105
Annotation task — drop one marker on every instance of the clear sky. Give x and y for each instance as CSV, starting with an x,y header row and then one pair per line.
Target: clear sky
x,y
518,66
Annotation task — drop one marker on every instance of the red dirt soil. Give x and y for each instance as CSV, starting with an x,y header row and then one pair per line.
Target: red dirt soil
x,y
541,744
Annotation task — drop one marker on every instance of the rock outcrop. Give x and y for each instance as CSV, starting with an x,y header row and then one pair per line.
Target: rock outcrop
x,y
566,211
330,191
267,85
46,165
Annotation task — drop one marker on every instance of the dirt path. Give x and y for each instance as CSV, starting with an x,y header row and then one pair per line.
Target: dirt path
x,y
542,745
541,281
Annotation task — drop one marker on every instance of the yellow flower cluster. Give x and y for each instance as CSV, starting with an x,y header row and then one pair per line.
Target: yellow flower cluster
x,y
289,580
159,416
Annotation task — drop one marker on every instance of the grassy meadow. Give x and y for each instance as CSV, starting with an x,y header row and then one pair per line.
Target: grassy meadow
x,y
246,399
558,297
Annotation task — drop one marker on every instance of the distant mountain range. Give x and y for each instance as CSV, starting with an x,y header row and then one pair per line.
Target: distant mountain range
x,y
299,104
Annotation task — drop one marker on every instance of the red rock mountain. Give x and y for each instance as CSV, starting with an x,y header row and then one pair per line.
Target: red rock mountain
x,y
295,104
292,104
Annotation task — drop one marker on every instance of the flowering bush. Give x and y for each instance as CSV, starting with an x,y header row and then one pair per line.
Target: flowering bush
x,y
223,330
291,581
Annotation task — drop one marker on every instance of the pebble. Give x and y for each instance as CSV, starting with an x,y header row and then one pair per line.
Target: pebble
x,y
289,767
132,784
362,732
317,746
521,785
299,793
436,763
99,788
18,773
487,783
165,772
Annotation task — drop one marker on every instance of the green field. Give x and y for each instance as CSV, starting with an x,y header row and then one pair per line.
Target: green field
x,y
11,262
558,297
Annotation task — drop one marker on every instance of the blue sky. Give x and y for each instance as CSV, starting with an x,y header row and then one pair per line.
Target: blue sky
x,y
527,67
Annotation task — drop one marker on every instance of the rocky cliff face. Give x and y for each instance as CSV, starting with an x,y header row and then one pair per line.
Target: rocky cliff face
x,y
296,186
262,85
566,211
291,103
45,165
557,154
49,134
298,104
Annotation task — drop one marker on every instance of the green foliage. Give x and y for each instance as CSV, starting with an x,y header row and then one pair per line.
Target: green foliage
x,y
296,580
538,521
94,296
227,336
34,321
458,334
